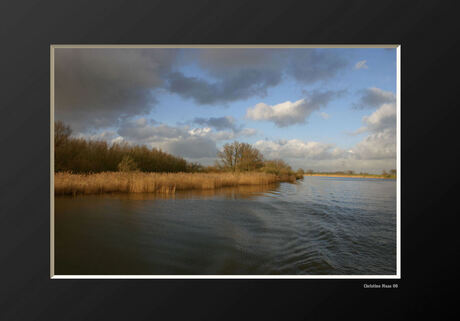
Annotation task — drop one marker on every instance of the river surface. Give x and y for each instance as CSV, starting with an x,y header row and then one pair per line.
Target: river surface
x,y
318,226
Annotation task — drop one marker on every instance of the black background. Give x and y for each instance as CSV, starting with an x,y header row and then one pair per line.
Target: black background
x,y
430,156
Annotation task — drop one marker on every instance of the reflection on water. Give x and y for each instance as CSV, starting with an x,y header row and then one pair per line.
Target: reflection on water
x,y
318,226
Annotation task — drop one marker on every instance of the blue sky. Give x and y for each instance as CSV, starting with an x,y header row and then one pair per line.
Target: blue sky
x,y
324,109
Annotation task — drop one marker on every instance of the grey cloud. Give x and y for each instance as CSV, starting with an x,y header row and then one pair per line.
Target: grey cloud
x,y
219,123
374,97
312,65
97,87
222,62
307,65
100,88
243,73
175,140
322,98
384,117
141,130
192,147
244,84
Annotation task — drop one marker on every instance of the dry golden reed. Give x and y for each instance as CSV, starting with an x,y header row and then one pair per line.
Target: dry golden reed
x,y
139,182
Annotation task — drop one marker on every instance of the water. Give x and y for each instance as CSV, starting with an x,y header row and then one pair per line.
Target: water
x,y
319,226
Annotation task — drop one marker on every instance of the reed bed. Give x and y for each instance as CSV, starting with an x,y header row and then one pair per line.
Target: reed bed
x,y
140,182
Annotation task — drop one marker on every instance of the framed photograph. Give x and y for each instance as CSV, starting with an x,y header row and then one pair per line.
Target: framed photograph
x,y
225,161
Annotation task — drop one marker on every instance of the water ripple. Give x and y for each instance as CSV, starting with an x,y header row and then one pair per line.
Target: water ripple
x,y
318,226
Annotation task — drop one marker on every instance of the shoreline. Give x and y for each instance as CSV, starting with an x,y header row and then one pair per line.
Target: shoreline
x,y
352,176
163,183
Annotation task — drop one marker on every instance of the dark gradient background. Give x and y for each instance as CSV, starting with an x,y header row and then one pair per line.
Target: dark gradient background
x,y
430,48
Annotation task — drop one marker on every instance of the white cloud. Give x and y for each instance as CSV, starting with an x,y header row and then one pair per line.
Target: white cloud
x,y
377,151
361,64
381,141
294,148
283,114
290,113
379,145
371,155
200,131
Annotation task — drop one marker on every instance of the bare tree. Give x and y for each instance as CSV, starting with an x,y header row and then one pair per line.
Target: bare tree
x,y
249,158
62,133
240,156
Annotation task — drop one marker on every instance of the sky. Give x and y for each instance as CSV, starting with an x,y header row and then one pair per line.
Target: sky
x,y
329,109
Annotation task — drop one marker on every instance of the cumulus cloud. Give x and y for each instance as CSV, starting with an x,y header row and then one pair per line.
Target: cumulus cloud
x,y
381,141
375,152
382,118
378,145
95,88
361,64
374,97
290,113
294,148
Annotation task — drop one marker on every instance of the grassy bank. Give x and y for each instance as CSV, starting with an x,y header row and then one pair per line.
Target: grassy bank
x,y
354,175
138,182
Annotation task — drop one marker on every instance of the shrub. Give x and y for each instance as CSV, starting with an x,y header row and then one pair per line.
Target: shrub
x,y
127,164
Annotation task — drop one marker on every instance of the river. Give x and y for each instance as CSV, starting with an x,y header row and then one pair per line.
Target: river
x,y
318,226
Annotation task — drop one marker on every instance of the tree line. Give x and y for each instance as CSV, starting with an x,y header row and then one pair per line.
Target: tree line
x,y
79,155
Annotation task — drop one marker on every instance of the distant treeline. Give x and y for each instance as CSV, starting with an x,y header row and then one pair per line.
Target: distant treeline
x,y
390,174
